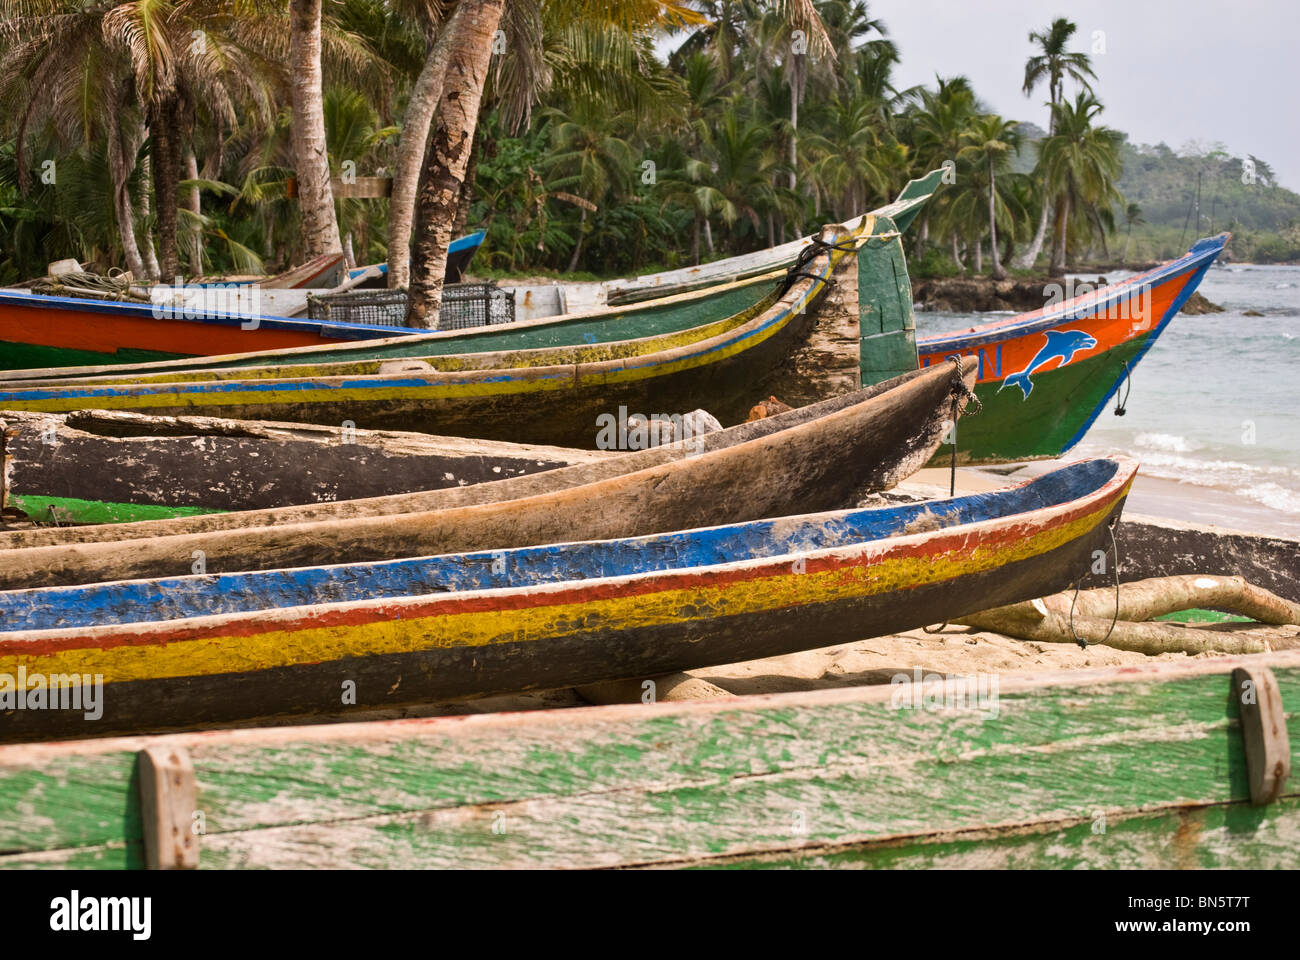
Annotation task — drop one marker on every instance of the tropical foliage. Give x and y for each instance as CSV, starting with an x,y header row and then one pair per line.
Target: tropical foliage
x,y
612,137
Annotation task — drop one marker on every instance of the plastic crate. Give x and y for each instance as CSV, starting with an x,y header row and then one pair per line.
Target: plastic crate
x,y
464,305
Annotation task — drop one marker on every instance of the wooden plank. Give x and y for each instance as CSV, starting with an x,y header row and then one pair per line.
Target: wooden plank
x,y
1216,837
1263,731
167,808
679,783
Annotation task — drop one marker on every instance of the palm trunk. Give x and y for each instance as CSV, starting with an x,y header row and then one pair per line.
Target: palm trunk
x,y
794,127
421,107
147,251
320,228
708,235
577,247
450,143
1030,255
466,199
166,176
998,272
956,254
1060,238
1128,238
695,241
979,257
121,160
193,203
1040,235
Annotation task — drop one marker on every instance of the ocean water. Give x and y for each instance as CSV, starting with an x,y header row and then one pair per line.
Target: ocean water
x,y
1215,403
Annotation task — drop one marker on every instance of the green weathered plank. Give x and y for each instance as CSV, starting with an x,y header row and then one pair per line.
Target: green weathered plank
x,y
669,783
1221,836
886,323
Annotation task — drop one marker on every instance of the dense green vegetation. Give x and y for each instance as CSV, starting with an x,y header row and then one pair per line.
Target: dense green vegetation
x,y
592,155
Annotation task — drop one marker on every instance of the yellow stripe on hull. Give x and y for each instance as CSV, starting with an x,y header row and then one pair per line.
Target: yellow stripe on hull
x,y
217,655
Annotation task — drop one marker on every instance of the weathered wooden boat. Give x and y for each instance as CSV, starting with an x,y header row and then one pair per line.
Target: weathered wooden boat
x,y
1137,767
717,291
277,298
1046,376
554,395
771,467
98,466
901,213
200,319
192,650
459,254
1156,547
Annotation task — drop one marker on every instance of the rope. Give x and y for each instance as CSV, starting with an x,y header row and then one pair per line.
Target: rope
x,y
1122,405
116,286
1083,644
815,248
959,390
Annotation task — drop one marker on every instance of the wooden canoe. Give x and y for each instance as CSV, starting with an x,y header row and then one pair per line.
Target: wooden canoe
x,y
96,466
287,642
681,300
1045,376
213,318
1133,768
814,458
541,396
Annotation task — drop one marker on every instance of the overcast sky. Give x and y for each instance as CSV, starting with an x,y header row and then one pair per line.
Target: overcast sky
x,y
1173,70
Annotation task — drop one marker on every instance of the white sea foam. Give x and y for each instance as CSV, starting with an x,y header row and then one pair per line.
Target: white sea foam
x,y
1167,442
1273,486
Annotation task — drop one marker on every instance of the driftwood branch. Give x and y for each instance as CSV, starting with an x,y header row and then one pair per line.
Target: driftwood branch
x,y
1048,620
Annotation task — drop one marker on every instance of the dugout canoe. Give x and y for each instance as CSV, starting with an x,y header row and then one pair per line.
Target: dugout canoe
x,y
821,457
681,300
555,396
1023,779
1045,376
204,318
286,642
96,466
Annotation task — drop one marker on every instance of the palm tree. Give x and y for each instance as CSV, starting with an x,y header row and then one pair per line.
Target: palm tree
x,y
1080,164
112,71
591,158
990,141
1054,64
855,157
451,140
320,227
1132,218
422,103
447,155
935,121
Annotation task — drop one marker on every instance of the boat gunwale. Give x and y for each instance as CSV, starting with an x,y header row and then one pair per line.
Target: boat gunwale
x,y
387,732
1095,501
1082,307
779,310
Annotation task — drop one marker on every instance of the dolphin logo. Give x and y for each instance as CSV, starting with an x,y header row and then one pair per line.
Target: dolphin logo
x,y
1061,345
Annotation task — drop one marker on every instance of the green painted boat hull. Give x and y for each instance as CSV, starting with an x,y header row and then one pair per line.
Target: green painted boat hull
x,y
1010,427
70,510
1136,767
